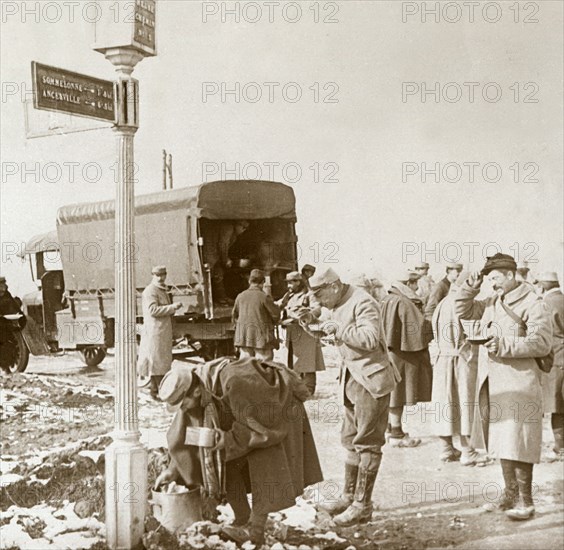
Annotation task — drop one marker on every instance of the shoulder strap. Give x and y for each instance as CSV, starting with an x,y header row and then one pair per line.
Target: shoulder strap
x,y
513,315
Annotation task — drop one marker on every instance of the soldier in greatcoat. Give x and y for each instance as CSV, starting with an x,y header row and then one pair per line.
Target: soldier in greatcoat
x,y
454,381
254,315
304,350
440,290
510,410
548,287
425,282
407,336
155,350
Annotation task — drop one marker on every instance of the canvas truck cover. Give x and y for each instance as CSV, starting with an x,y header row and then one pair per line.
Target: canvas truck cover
x,y
165,230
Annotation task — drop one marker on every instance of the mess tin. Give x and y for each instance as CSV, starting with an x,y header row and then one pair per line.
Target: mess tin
x,y
200,437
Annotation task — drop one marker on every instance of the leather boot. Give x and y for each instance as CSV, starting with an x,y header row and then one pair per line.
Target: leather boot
x,y
345,500
360,511
526,508
511,491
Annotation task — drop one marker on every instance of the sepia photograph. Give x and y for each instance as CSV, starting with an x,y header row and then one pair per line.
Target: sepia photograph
x,y
282,275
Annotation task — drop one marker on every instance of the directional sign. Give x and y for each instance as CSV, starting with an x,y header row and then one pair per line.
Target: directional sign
x,y
79,94
144,32
126,24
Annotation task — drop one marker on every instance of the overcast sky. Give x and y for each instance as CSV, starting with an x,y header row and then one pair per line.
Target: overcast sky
x,y
360,128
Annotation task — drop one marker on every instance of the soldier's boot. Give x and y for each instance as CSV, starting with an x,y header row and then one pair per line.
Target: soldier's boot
x,y
526,509
345,500
360,511
511,491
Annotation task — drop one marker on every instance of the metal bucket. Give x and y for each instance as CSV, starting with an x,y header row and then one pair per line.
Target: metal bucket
x,y
177,511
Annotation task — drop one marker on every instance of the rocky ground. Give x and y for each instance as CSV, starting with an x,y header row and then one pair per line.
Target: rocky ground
x,y
55,426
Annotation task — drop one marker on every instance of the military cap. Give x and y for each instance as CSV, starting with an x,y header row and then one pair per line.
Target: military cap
x,y
547,277
455,265
407,275
422,265
175,384
159,270
499,261
324,278
294,276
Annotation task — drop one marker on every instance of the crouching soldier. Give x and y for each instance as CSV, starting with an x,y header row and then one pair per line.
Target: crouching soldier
x,y
264,445
367,378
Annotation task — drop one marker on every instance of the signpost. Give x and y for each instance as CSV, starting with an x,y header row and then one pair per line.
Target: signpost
x,y
74,93
125,44
124,41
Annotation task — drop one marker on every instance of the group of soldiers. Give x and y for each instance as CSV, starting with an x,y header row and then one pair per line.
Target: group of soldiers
x,y
490,389
497,367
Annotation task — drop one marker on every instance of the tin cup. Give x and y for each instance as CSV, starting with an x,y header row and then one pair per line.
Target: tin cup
x,y
200,436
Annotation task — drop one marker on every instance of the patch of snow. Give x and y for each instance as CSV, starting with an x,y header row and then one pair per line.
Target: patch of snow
x,y
226,514
7,464
34,479
72,532
330,535
94,455
301,516
8,479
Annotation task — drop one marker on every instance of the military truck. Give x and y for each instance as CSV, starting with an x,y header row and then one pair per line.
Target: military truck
x,y
74,308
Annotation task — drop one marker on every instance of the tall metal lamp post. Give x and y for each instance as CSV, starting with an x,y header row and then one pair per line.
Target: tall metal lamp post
x,y
124,45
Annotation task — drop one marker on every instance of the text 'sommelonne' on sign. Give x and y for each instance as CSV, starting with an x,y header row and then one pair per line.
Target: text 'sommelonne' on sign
x,y
65,91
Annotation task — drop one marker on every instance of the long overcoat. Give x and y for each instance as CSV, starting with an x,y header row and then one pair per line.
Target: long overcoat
x,y
438,292
304,351
553,382
262,413
254,314
407,338
155,350
509,413
454,373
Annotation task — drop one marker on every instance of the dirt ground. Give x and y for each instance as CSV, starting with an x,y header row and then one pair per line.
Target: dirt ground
x,y
54,428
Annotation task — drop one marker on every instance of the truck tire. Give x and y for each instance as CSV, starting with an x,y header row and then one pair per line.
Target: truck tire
x,y
143,381
19,354
92,355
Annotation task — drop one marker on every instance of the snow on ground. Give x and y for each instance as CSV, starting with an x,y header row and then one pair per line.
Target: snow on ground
x,y
55,430
44,527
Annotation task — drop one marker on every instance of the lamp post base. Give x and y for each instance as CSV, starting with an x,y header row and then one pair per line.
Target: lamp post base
x,y
126,490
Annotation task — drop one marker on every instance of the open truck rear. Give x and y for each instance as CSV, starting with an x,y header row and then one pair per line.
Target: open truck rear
x,y
170,229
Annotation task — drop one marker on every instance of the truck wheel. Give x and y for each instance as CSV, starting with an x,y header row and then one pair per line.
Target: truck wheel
x,y
143,381
18,353
93,355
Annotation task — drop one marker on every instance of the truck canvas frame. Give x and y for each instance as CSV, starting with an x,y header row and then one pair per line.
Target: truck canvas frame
x,y
74,308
